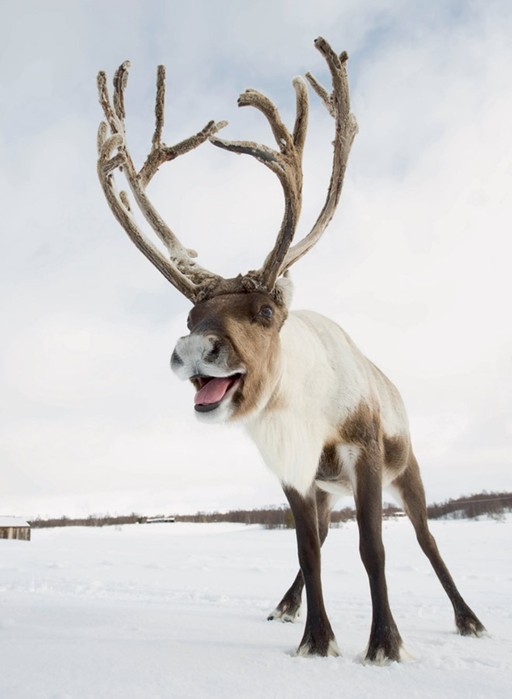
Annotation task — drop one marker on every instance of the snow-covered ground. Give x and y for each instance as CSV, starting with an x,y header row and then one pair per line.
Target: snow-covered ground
x,y
179,610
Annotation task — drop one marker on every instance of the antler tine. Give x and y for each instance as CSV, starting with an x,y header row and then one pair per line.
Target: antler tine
x,y
285,163
159,107
119,206
338,105
160,153
181,270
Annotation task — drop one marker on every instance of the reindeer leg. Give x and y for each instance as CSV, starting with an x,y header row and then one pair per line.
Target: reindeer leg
x,y
318,636
412,494
385,641
288,608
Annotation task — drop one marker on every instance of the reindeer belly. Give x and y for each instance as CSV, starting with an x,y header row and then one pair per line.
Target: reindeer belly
x,y
336,470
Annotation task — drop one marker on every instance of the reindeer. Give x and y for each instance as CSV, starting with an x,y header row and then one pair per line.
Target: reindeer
x,y
325,419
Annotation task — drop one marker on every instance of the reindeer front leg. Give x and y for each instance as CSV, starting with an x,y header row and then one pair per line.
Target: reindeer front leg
x,y
385,642
318,636
289,607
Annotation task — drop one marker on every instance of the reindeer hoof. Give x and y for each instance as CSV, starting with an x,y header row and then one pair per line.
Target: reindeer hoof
x,y
469,625
309,649
381,657
384,648
285,615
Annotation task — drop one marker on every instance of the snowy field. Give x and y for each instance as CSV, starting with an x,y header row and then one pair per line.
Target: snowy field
x,y
179,610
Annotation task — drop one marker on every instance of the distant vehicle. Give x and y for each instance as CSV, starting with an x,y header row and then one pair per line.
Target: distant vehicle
x,y
159,519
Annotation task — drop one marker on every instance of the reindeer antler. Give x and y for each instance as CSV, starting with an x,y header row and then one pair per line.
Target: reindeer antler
x,y
181,269
195,282
287,162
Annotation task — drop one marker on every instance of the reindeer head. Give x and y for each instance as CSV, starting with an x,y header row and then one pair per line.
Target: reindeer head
x,y
232,352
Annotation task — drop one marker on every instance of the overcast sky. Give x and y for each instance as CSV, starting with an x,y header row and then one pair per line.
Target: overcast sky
x,y
415,266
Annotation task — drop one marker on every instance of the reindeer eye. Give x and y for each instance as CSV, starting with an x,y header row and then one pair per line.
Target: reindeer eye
x,y
266,311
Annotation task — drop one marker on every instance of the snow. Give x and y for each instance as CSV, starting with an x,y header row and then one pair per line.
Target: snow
x,y
6,521
179,610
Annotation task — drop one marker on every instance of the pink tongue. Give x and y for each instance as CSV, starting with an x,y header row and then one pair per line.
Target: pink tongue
x,y
214,391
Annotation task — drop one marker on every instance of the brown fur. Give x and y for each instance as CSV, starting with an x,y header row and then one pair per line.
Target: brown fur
x,y
362,427
396,453
330,466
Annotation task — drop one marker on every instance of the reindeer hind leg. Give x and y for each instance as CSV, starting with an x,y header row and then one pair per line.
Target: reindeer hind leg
x,y
409,488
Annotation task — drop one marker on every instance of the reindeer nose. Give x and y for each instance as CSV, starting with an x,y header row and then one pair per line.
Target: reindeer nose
x,y
215,347
176,360
193,352
179,356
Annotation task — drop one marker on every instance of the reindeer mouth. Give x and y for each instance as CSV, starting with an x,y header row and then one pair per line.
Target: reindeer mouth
x,y
213,390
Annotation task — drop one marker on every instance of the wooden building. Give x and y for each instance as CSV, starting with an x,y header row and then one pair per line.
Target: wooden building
x,y
14,528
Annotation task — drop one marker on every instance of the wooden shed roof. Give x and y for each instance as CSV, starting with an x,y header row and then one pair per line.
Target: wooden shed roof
x,y
7,521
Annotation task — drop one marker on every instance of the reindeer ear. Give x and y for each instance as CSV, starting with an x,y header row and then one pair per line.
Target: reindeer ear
x,y
283,290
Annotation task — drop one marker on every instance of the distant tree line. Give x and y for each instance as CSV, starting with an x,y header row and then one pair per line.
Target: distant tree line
x,y
492,504
91,521
273,517
468,507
